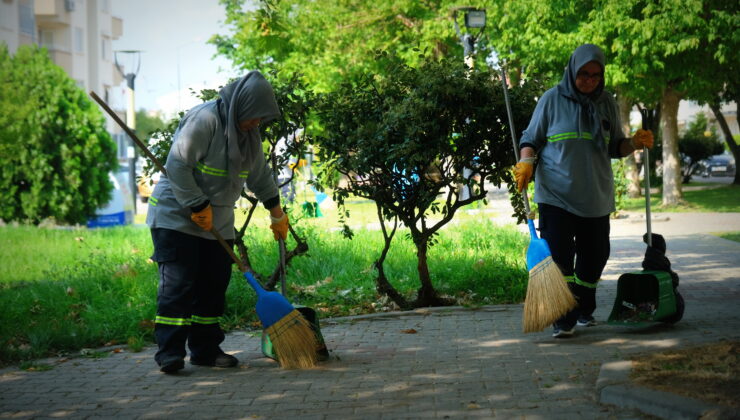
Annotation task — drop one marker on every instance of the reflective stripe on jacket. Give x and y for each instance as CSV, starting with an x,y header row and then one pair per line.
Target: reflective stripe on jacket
x,y
197,170
574,166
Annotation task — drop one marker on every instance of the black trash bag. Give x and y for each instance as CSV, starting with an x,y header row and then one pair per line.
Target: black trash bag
x,y
655,259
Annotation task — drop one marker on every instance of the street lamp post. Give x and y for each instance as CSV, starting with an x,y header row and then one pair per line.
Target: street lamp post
x,y
130,114
474,19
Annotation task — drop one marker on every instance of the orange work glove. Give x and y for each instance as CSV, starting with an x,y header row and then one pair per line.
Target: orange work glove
x,y
523,173
203,218
642,139
279,227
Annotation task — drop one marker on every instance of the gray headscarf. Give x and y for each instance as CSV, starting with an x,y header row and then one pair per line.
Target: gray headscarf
x,y
247,98
567,86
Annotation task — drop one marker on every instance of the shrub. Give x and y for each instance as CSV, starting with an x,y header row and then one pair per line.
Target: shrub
x,y
56,155
413,142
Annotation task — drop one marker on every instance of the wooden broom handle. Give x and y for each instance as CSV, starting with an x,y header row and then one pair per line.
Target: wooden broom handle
x,y
128,131
230,250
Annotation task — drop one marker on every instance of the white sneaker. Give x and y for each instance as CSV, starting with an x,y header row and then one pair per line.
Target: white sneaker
x,y
561,332
586,321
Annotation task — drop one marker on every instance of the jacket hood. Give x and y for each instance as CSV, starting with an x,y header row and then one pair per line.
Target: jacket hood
x,y
250,97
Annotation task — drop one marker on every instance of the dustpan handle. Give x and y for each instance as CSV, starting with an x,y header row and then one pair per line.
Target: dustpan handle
x,y
513,133
281,241
647,118
281,268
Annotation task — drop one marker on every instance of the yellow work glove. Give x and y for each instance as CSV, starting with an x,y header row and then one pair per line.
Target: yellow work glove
x,y
523,173
279,227
642,139
203,218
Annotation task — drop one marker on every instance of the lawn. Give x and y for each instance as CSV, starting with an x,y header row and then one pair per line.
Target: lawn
x,y
66,289
732,236
62,289
725,199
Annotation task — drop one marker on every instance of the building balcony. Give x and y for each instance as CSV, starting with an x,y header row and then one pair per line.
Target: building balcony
x,y
116,27
63,59
53,13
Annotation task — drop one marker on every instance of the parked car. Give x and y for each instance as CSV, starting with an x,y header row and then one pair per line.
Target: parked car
x,y
718,165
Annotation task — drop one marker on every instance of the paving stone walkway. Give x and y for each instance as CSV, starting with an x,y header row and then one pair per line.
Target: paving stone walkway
x,y
460,363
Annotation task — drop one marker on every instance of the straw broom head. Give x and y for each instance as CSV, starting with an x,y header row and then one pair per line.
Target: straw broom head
x,y
294,341
548,296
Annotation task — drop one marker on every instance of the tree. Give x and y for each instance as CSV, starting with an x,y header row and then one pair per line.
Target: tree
x,y
698,143
403,142
330,41
658,52
665,51
147,123
56,155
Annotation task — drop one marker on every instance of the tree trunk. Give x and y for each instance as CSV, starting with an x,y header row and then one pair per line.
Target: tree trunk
x,y
427,296
672,176
728,137
382,285
631,171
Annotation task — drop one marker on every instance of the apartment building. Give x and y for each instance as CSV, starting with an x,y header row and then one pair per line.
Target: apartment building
x,y
78,35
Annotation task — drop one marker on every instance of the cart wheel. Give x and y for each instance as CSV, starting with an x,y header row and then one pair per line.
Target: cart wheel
x,y
680,306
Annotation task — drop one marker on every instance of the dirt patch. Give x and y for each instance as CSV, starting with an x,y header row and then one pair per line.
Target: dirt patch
x,y
710,372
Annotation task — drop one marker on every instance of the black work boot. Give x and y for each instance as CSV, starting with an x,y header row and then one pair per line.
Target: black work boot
x,y
172,366
222,360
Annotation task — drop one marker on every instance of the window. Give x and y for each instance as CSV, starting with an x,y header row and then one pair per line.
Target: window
x,y
121,145
27,20
6,20
79,40
46,39
104,48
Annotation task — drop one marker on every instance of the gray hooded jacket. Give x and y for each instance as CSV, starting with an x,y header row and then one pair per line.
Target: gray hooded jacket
x,y
575,136
211,159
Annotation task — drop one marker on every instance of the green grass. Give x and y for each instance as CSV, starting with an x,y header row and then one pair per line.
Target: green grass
x,y
724,199
63,289
29,253
732,236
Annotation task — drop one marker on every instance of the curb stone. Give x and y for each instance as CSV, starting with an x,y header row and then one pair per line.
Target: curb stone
x,y
413,312
615,387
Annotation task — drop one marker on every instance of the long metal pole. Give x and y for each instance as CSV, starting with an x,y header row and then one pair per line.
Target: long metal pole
x,y
646,120
513,135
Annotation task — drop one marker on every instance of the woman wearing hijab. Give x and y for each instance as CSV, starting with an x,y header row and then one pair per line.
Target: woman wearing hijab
x,y
215,151
574,133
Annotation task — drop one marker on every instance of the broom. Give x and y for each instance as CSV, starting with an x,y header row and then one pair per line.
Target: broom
x,y
292,337
291,334
548,296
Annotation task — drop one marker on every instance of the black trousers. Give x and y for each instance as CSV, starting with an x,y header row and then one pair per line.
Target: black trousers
x,y
193,276
580,247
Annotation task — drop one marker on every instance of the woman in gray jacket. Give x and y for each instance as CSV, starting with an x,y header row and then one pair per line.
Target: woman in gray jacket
x,y
215,151
575,131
